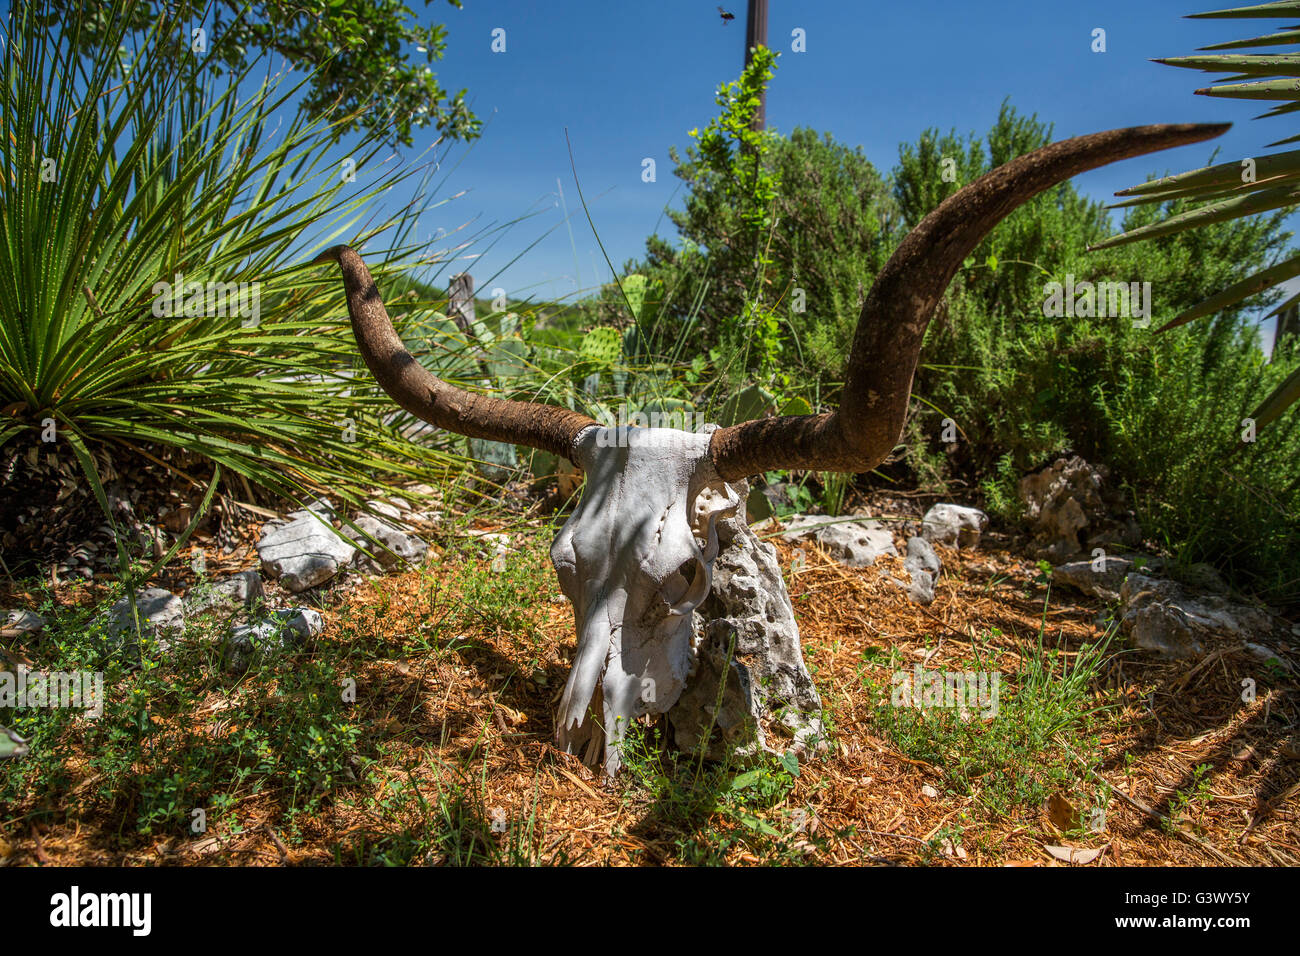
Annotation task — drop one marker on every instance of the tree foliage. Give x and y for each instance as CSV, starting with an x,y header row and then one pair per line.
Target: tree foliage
x,y
359,54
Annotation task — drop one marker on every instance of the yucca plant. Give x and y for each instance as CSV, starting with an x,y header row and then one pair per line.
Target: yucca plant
x,y
137,173
1241,187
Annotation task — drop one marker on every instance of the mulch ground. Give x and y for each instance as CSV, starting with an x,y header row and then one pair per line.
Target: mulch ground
x,y
479,721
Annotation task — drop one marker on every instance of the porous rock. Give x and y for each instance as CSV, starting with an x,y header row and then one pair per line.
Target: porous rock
x,y
745,629
851,542
956,526
1173,621
283,630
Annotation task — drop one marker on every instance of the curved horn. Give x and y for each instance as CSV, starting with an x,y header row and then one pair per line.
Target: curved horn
x,y
426,396
892,324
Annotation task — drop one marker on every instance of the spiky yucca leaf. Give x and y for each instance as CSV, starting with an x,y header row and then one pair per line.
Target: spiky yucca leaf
x,y
126,169
1242,188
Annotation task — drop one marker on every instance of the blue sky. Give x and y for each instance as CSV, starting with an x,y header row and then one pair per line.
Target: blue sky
x,y
627,80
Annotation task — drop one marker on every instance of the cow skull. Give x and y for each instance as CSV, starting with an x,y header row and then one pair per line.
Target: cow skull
x,y
635,557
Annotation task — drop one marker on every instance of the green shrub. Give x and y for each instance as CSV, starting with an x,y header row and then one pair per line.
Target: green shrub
x,y
1163,411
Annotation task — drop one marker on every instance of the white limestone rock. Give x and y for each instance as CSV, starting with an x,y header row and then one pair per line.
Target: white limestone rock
x,y
1103,577
161,616
852,542
242,589
305,550
765,670
1172,621
956,526
283,631
21,621
395,546
923,567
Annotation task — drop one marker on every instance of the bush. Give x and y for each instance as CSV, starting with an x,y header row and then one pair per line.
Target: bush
x,y
1162,410
773,266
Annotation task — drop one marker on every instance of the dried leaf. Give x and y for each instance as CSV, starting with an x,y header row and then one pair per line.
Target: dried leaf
x,y
951,849
1070,854
1062,813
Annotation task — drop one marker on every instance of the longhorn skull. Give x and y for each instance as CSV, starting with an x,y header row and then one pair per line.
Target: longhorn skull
x,y
636,556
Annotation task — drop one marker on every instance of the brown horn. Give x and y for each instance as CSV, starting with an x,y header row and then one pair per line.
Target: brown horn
x,y
892,324
426,396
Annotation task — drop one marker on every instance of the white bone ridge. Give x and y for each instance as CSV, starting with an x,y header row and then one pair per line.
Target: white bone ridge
x,y
635,559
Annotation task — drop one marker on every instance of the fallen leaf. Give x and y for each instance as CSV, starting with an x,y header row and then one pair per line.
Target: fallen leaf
x,y
1062,813
951,849
1071,854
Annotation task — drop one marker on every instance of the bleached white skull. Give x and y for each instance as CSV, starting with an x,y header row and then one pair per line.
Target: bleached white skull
x,y
635,558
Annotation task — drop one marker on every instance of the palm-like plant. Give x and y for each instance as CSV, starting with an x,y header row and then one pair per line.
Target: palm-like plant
x,y
129,167
1242,187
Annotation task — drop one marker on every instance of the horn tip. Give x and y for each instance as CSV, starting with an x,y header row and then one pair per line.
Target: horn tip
x,y
332,254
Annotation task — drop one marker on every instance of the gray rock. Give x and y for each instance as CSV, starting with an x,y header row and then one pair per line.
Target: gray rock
x,y
1267,655
1067,511
420,490
920,555
955,526
304,551
923,567
303,621
387,509
320,506
282,631
21,622
764,671
849,541
920,589
1169,619
1164,630
241,589
494,543
161,614
397,546
1102,577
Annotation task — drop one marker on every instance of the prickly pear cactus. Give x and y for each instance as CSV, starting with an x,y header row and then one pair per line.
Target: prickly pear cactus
x,y
602,346
632,342
745,405
634,288
600,351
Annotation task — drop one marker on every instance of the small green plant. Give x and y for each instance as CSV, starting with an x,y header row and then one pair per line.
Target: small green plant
x,y
713,810
1013,759
1197,794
